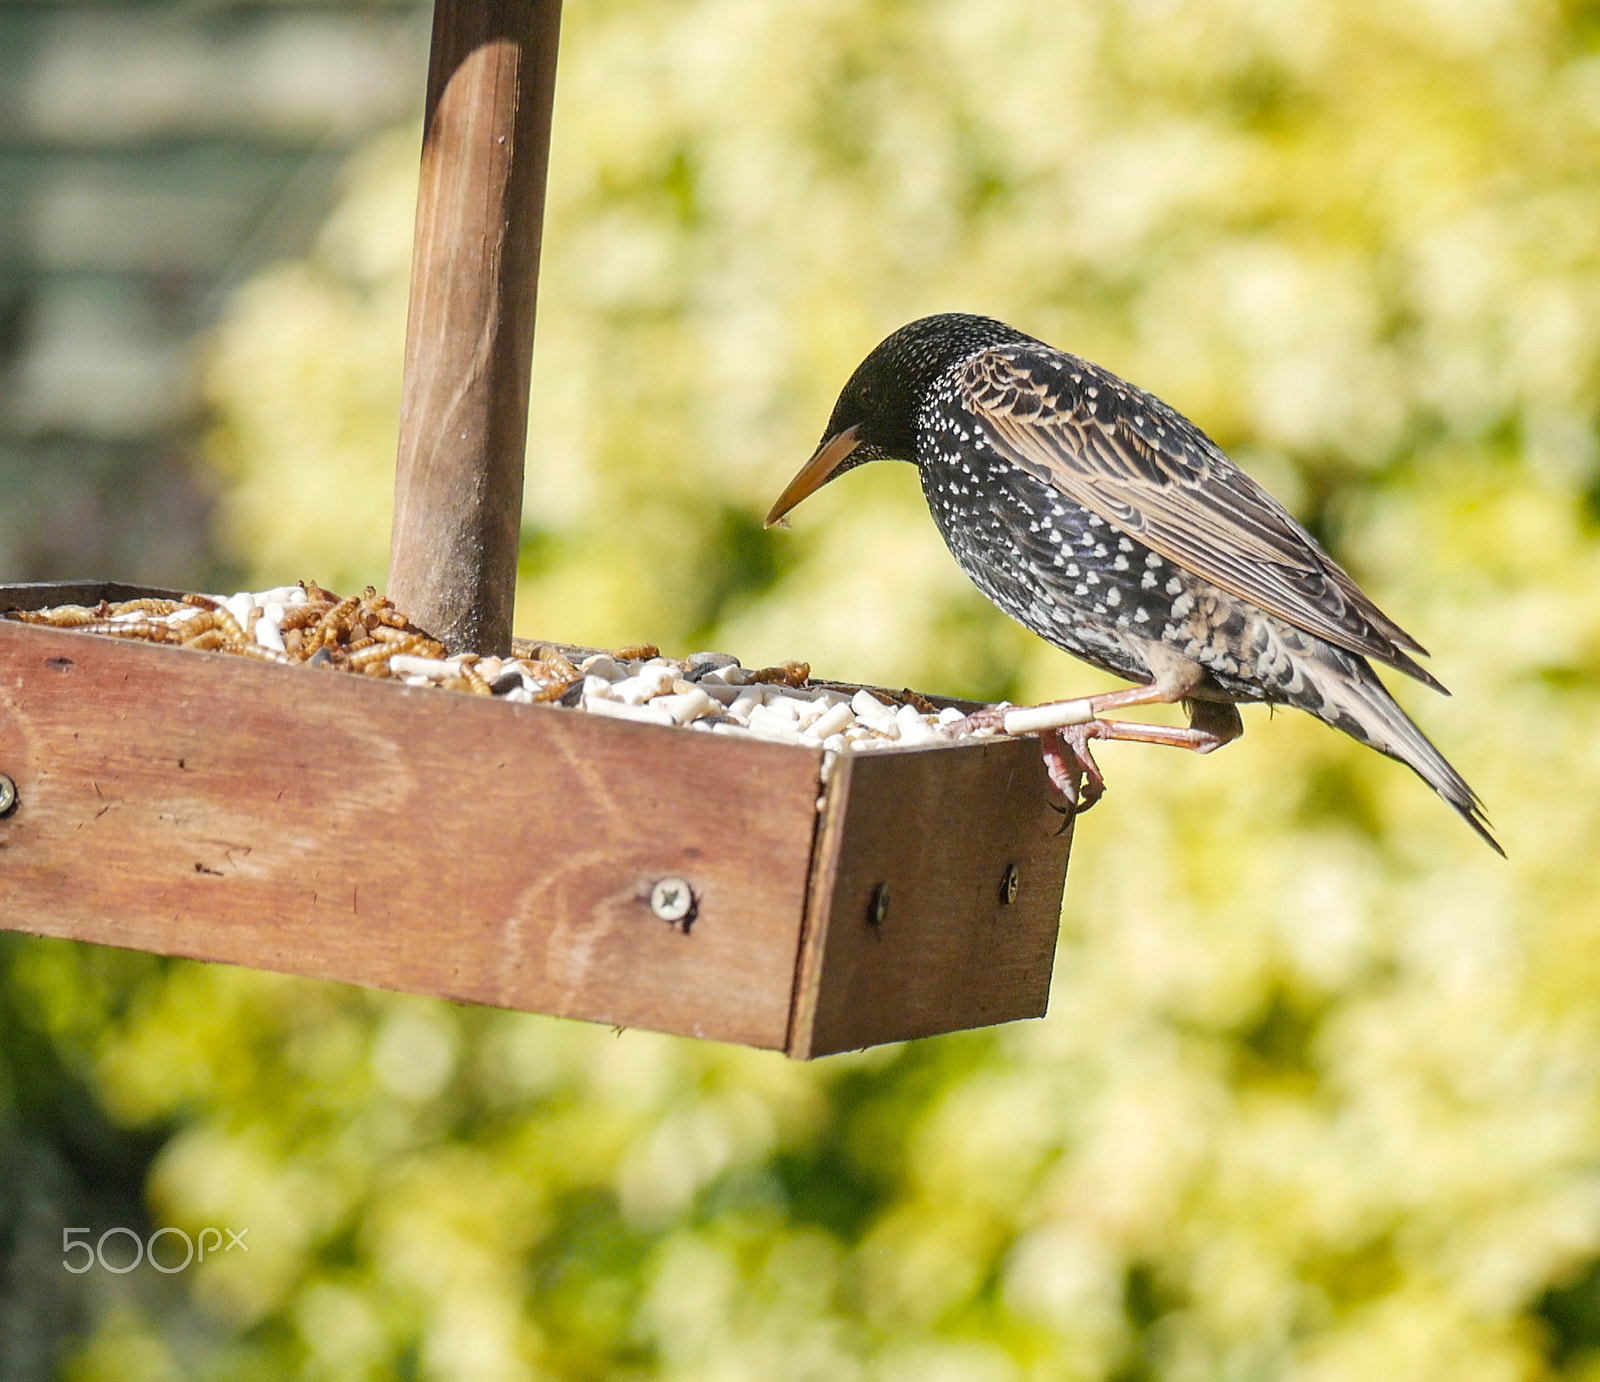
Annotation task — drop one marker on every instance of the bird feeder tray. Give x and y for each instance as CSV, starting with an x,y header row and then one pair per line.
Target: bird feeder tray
x,y
525,856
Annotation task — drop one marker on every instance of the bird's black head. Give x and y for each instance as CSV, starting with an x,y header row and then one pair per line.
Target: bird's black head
x,y
875,418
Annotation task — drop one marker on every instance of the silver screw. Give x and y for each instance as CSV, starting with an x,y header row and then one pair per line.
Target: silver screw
x,y
1010,884
8,795
879,907
671,899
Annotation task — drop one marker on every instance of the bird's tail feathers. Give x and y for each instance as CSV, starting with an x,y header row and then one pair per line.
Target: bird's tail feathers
x,y
1354,700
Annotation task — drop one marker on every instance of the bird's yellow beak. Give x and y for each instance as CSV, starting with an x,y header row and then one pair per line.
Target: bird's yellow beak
x,y
815,472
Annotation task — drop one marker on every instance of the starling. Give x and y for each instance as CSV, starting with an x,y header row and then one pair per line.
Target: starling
x,y
1111,526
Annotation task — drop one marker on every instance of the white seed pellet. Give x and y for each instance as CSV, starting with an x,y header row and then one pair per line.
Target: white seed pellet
x,y
281,595
433,668
630,689
656,678
1053,716
764,718
832,721
873,712
949,715
598,689
623,710
720,692
685,706
269,630
239,606
919,731
776,731
601,666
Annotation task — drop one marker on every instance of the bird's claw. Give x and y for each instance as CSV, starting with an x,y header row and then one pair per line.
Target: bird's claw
x,y
1071,767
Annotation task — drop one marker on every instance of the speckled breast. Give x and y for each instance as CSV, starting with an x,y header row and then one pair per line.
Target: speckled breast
x,y
1078,582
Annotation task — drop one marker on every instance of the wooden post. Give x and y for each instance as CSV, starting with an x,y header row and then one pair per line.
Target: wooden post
x,y
469,337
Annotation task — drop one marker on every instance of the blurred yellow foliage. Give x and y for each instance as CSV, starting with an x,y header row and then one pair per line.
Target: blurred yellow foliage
x,y
1319,1094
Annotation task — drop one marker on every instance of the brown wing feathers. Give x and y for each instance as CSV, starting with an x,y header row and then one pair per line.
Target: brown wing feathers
x,y
1126,456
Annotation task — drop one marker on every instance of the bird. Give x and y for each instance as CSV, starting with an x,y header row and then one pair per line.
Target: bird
x,y
1110,525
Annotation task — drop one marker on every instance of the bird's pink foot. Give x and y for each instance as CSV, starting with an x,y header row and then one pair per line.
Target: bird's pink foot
x,y
1071,767
1067,760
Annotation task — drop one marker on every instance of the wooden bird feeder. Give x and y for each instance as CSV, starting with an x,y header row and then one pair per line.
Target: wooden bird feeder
x,y
362,830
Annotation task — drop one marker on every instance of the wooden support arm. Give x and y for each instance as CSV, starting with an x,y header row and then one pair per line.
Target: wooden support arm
x,y
469,337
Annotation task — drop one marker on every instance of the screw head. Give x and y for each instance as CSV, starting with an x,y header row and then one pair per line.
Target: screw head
x,y
8,796
878,908
672,899
1010,885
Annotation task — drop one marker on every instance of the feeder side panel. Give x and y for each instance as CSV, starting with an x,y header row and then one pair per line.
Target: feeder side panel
x,y
917,936
407,838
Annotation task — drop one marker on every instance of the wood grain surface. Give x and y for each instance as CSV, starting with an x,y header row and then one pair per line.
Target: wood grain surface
x,y
469,336
937,828
345,828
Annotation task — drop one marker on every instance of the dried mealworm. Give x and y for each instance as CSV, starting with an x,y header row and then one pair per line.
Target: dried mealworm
x,y
637,652
148,605
554,691
260,653
559,663
474,678
194,626
785,673
375,654
382,651
413,645
332,624
227,625
301,616
150,630
62,617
